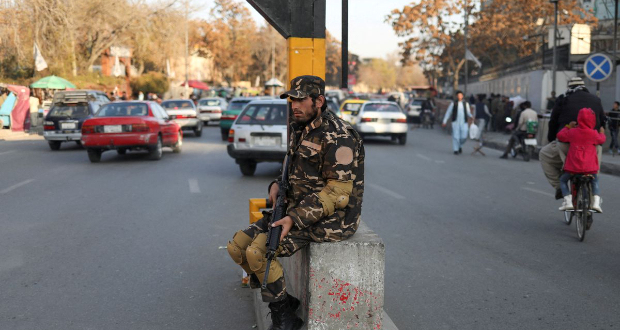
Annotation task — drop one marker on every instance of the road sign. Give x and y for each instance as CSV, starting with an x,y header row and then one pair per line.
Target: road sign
x,y
598,67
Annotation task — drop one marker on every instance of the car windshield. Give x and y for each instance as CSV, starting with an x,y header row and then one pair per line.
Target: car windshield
x,y
417,102
174,105
210,103
78,110
237,105
353,107
263,114
123,109
378,107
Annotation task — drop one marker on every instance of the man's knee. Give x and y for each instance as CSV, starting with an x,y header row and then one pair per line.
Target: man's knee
x,y
255,254
236,248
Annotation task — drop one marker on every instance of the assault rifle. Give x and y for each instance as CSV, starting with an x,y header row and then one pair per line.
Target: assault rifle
x,y
279,212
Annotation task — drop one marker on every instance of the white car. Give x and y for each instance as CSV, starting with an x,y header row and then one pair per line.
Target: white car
x,y
381,118
259,134
184,113
414,109
210,109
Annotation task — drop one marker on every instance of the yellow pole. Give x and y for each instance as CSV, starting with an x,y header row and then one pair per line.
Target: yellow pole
x,y
306,56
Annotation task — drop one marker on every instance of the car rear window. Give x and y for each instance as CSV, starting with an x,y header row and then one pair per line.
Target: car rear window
x,y
417,102
172,105
382,108
263,114
210,103
237,105
123,109
79,110
353,107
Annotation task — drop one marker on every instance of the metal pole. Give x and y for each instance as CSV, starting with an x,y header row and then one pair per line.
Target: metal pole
x,y
345,44
615,32
555,45
187,48
466,66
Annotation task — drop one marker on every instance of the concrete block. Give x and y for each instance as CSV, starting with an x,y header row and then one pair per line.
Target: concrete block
x,y
340,284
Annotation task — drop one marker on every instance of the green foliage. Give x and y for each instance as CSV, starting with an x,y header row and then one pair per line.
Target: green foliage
x,y
152,82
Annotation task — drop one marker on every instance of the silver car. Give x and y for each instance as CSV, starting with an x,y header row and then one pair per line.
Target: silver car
x,y
184,113
210,109
259,134
381,118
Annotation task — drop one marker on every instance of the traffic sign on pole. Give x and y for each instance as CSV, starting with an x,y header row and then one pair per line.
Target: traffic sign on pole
x,y
598,67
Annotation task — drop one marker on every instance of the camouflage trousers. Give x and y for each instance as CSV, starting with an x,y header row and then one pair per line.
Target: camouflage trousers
x,y
294,241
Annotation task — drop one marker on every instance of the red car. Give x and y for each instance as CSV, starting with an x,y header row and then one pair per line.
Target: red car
x,y
133,125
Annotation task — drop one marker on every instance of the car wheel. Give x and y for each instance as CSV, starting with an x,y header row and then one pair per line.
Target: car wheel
x,y
94,155
176,148
54,145
247,168
198,130
402,139
157,151
394,138
121,151
224,134
79,143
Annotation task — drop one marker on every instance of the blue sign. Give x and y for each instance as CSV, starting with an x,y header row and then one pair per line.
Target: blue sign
x,y
598,67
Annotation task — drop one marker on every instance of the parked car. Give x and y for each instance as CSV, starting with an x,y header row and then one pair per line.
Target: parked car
x,y
381,119
259,134
413,109
211,108
184,113
234,108
131,125
338,94
349,108
69,110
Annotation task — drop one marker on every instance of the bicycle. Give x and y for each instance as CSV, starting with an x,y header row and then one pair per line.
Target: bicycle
x,y
581,188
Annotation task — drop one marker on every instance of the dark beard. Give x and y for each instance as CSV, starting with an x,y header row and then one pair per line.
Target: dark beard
x,y
304,124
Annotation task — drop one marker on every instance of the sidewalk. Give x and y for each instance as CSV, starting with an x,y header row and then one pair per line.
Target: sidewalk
x,y
8,135
499,141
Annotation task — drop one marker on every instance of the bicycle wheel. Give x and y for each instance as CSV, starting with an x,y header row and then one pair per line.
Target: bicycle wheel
x,y
583,207
568,217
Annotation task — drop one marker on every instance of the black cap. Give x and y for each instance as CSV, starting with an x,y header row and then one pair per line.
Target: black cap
x,y
304,86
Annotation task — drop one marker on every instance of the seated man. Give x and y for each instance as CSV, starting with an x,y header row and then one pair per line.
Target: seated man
x,y
526,114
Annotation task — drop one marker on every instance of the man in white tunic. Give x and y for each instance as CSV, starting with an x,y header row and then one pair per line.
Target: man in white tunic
x,y
459,112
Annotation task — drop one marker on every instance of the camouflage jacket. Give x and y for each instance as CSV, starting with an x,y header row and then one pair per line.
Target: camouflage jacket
x,y
326,149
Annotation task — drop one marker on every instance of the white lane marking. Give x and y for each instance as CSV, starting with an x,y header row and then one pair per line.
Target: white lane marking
x,y
387,191
424,157
15,186
193,186
439,161
6,152
538,191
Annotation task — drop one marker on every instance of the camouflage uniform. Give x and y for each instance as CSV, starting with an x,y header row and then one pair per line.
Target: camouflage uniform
x,y
326,149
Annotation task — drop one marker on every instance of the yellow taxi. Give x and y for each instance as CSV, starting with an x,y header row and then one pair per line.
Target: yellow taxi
x,y
350,108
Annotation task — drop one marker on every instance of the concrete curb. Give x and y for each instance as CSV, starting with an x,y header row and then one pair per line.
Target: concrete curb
x,y
606,167
263,321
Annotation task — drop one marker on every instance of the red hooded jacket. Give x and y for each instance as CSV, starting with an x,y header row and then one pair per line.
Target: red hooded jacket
x,y
582,157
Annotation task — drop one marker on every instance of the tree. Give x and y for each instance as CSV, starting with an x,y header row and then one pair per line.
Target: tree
x,y
333,54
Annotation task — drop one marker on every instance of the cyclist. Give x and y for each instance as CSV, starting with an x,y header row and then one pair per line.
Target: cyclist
x,y
565,111
581,157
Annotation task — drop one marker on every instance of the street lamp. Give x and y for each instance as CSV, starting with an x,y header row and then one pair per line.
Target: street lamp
x,y
555,42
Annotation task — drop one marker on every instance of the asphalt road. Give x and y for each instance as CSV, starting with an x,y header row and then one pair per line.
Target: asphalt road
x,y
472,242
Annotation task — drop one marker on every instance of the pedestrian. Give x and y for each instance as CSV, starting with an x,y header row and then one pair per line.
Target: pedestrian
x,y
582,157
124,96
326,178
565,111
525,115
551,102
614,118
34,109
481,118
140,96
460,113
496,106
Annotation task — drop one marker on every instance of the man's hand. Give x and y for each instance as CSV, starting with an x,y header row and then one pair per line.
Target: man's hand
x,y
273,193
443,125
572,124
286,223
601,130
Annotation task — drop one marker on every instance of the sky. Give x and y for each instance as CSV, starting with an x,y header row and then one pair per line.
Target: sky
x,y
369,35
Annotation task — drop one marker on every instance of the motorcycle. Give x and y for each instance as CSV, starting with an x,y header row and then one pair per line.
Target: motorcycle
x,y
427,119
527,143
